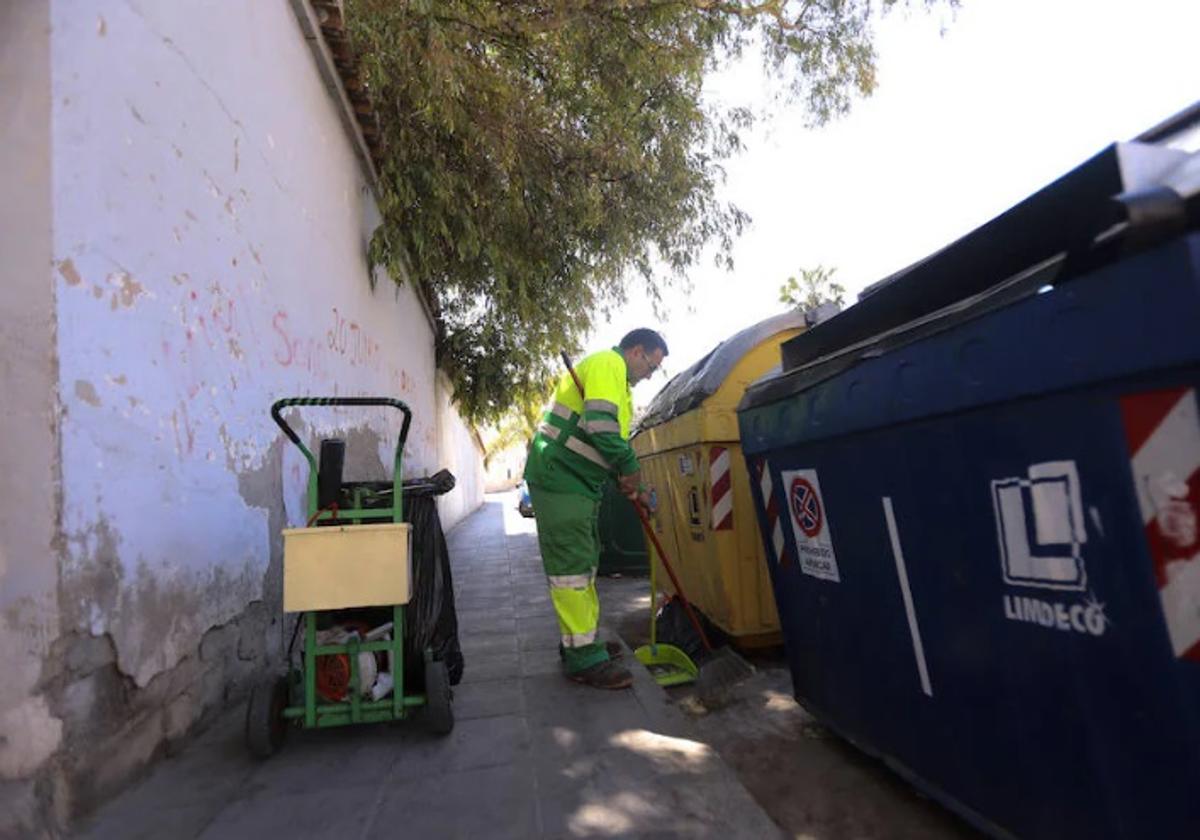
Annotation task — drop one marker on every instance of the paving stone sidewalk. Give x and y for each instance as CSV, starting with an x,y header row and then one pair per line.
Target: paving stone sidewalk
x,y
532,755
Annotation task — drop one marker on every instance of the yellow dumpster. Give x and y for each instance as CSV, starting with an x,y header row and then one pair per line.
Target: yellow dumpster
x,y
691,454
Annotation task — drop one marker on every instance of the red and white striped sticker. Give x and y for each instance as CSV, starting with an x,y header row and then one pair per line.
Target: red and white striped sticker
x,y
721,486
774,525
1162,429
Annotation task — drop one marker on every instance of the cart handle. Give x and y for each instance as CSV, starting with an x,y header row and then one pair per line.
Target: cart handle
x,y
289,402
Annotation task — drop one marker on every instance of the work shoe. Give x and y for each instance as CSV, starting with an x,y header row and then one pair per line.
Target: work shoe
x,y
606,674
614,649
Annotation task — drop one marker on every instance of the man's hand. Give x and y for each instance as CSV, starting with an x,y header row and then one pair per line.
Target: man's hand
x,y
631,488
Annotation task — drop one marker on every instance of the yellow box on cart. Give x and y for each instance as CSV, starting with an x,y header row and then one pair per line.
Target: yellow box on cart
x,y
337,567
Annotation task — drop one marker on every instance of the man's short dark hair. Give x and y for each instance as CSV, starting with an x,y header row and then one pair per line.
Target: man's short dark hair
x,y
647,338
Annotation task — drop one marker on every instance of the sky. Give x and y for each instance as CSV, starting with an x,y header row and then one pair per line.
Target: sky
x,y
974,110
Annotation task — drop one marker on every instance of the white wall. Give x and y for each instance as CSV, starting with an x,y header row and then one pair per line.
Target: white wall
x,y
505,468
210,241
184,235
461,453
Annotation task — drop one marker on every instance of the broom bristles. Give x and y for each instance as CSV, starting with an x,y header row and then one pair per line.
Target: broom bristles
x,y
719,674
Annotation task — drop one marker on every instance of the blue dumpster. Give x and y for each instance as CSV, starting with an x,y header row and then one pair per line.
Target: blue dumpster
x,y
981,511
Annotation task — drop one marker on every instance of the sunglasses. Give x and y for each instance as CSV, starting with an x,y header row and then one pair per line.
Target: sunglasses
x,y
652,365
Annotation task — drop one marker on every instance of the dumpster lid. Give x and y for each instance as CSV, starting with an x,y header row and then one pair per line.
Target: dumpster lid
x,y
779,383
1061,217
1181,130
1160,201
688,389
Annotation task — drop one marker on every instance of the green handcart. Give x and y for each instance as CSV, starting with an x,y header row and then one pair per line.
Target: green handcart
x,y
359,558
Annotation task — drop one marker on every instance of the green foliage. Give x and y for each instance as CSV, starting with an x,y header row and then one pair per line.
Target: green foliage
x,y
814,287
542,154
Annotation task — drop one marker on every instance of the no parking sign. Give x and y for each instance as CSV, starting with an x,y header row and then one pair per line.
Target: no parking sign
x,y
810,524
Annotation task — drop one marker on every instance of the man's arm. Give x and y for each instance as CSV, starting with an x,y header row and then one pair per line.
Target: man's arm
x,y
605,387
600,421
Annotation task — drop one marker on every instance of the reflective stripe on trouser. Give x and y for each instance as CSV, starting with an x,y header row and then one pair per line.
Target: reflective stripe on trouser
x,y
570,546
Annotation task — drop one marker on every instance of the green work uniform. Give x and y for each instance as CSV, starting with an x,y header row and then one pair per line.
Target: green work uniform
x,y
582,441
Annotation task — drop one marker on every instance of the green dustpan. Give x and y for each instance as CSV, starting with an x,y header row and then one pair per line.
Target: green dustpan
x,y
668,664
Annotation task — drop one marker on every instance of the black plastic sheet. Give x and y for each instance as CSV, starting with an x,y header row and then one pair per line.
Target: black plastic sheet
x,y
430,620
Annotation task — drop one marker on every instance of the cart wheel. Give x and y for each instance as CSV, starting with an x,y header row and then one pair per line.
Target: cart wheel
x,y
265,725
439,715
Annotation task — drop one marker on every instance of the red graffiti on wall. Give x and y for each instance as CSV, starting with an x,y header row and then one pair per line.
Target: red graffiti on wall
x,y
343,340
348,339
285,354
212,315
298,351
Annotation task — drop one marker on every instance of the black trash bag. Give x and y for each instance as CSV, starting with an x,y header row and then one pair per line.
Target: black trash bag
x,y
369,494
430,619
437,484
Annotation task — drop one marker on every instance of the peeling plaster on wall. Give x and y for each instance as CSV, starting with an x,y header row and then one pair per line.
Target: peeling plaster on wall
x,y
112,728
86,392
370,456
157,550
69,275
263,488
154,611
93,590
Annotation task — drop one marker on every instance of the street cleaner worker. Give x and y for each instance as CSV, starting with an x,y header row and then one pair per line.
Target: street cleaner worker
x,y
583,439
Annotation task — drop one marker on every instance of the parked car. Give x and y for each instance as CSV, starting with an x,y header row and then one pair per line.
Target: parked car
x,y
524,503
